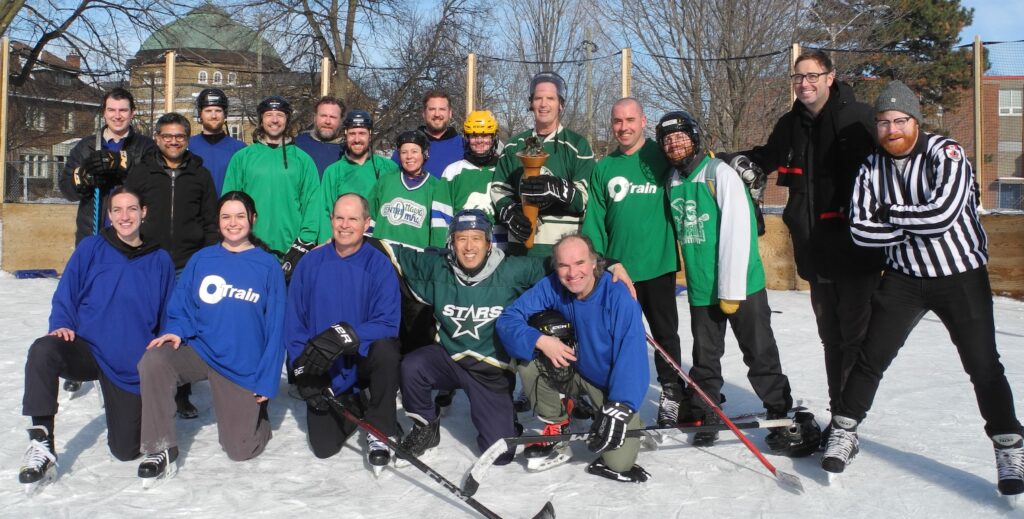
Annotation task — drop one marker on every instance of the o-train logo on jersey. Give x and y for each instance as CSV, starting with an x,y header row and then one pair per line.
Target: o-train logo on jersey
x,y
213,288
685,214
404,212
619,187
469,320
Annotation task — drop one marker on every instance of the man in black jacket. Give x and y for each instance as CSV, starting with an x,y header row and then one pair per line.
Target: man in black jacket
x,y
817,148
100,162
181,199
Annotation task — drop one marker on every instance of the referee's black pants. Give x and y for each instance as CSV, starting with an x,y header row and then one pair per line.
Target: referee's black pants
x,y
963,302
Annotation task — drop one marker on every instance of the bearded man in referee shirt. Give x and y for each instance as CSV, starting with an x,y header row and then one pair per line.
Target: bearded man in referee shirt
x,y
917,198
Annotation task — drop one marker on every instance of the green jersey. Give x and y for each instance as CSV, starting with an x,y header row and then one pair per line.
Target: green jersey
x,y
717,232
569,157
413,212
345,176
628,217
285,185
470,187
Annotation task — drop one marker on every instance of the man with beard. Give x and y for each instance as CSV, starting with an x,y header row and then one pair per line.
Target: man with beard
x,y
445,143
628,219
276,174
359,168
917,200
325,141
214,145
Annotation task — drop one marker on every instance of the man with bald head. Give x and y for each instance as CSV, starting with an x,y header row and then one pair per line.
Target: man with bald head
x,y
628,219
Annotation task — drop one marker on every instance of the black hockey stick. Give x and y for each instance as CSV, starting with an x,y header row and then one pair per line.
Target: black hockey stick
x,y
548,512
785,479
479,470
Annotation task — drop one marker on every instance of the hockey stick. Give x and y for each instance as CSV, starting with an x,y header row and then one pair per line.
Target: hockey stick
x,y
547,512
785,479
479,470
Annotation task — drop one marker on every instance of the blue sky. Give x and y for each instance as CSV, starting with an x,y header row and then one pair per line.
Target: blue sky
x,y
998,20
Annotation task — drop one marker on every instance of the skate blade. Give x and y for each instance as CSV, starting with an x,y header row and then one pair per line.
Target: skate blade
x,y
169,472
556,458
32,489
401,463
378,470
835,479
1015,501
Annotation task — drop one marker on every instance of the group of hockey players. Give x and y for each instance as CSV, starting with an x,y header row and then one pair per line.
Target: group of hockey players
x,y
420,278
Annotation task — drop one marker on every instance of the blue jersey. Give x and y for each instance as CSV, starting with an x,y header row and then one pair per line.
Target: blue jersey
x,y
114,302
229,307
361,290
611,341
442,153
216,155
324,153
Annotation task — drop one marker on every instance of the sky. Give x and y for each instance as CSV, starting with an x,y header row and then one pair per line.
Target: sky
x,y
998,20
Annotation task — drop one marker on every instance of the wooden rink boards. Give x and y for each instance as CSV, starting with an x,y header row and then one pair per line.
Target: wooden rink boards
x,y
42,236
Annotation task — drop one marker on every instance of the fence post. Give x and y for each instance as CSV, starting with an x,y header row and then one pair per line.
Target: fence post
x,y
470,83
169,59
325,76
794,53
627,71
5,64
979,149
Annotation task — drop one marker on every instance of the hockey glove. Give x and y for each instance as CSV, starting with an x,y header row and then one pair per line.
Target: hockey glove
x,y
544,190
515,221
298,249
314,390
728,306
104,168
321,351
751,174
609,429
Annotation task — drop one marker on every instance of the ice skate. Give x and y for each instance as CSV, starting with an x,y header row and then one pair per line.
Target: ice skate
x,y
1009,451
39,464
546,455
422,438
843,445
158,467
378,454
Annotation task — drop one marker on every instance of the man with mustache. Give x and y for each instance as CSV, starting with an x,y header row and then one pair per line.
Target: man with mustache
x,y
325,142
445,142
917,199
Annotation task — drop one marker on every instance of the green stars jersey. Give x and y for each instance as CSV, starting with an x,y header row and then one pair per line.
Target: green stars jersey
x,y
470,187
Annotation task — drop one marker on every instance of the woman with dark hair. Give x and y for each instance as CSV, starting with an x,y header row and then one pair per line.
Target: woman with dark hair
x,y
223,325
108,305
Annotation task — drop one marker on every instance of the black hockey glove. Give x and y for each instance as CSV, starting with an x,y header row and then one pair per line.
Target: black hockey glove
x,y
544,190
515,221
105,167
322,350
751,174
314,390
609,429
298,249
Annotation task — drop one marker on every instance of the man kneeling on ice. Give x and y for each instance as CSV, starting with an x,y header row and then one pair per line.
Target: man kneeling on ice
x,y
610,359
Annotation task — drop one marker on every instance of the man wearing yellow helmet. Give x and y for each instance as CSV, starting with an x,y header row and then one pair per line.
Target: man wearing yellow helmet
x,y
470,178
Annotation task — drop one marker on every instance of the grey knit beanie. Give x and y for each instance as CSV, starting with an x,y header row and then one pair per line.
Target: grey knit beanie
x,y
897,96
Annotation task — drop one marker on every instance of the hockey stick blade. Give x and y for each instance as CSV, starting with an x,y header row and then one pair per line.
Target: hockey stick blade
x,y
423,467
787,481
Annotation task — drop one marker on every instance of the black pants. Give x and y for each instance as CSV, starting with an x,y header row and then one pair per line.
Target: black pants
x,y
51,358
842,309
657,298
378,373
963,302
752,326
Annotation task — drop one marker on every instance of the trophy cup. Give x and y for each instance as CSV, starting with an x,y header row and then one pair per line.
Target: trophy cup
x,y
532,157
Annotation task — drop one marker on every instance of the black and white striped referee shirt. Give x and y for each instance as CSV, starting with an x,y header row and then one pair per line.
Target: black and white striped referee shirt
x,y
933,227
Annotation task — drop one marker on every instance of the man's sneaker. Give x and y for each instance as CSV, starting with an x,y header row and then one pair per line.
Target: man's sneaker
x,y
637,474
422,437
522,402
843,445
185,408
1009,450
543,449
668,405
157,466
39,461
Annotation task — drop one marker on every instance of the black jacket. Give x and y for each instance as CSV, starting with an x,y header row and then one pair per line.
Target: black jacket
x,y
181,214
818,158
137,146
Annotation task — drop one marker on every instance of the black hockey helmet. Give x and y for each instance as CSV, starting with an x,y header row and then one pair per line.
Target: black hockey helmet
x,y
679,121
277,103
211,97
548,76
415,137
553,323
358,119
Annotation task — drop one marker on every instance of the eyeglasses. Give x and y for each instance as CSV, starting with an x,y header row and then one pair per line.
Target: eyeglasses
x,y
899,123
171,137
811,77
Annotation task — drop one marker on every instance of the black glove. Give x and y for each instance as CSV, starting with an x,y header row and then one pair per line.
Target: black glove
x,y
322,350
298,249
751,174
881,214
314,390
544,190
609,430
515,221
104,168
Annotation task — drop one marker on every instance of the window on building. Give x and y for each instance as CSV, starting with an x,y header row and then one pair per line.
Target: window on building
x,y
69,122
218,78
233,131
203,77
158,79
1010,102
35,119
232,77
33,166
58,164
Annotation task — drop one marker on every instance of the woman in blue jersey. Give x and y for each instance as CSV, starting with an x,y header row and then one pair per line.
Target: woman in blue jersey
x,y
107,307
223,325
